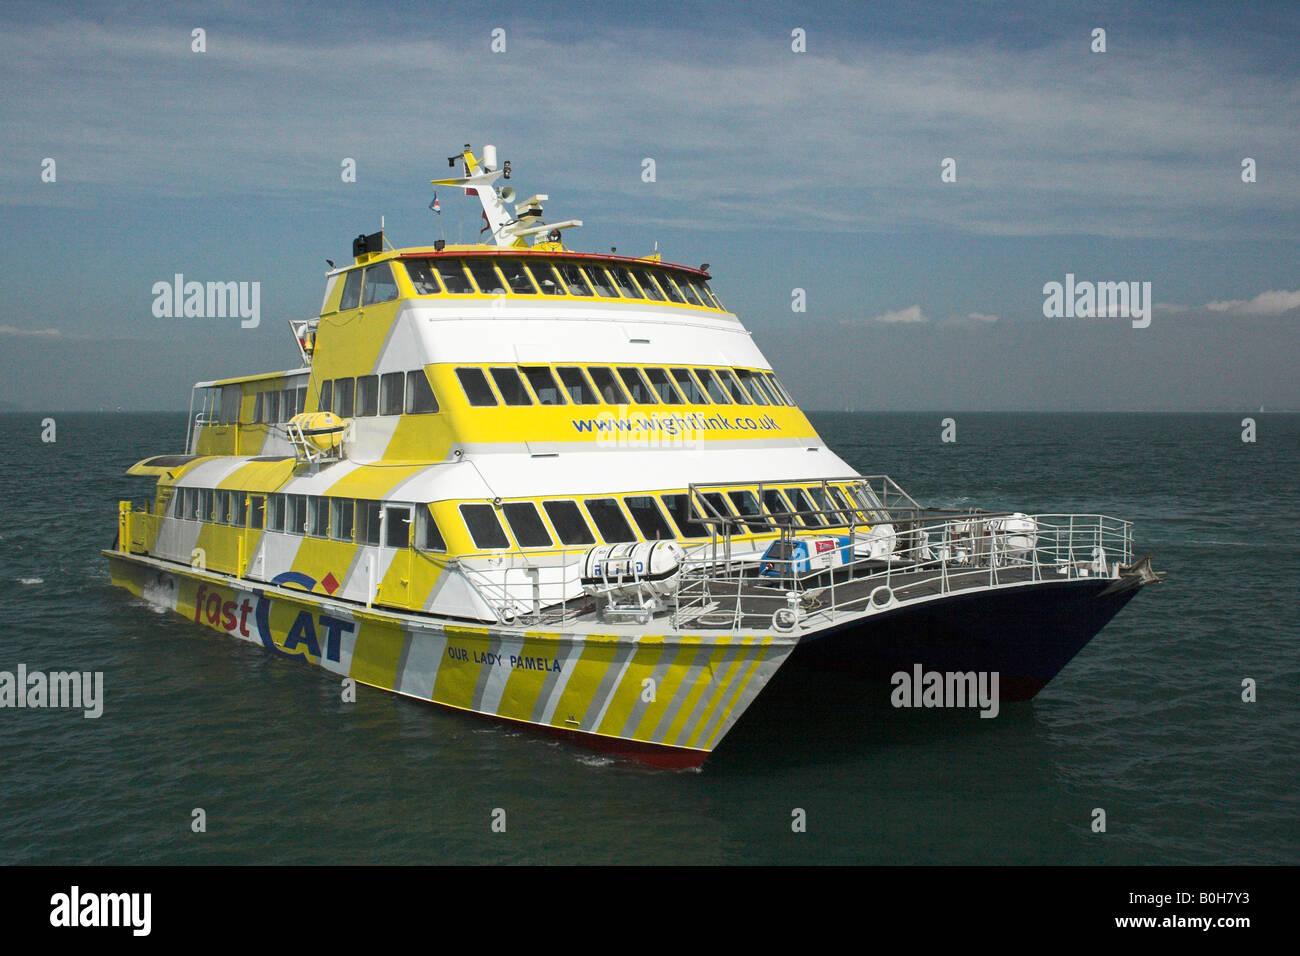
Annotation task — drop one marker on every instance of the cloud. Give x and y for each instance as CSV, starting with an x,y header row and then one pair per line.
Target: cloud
x,y
911,314
1274,302
972,318
34,333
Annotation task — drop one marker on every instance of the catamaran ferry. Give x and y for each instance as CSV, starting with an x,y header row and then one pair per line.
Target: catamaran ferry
x,y
566,489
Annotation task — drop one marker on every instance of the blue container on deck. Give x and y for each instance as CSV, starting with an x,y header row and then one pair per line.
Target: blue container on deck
x,y
803,555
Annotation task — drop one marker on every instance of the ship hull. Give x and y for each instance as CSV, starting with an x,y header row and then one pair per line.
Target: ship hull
x,y
665,701
1025,634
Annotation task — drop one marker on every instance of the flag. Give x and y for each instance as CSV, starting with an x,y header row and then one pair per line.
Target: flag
x,y
435,205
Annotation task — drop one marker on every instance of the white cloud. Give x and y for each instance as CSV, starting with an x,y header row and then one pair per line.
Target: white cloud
x,y
912,313
38,333
1274,302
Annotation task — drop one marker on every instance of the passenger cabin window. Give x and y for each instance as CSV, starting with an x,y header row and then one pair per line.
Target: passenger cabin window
x,y
511,386
575,383
422,277
751,386
380,285
734,389
686,382
427,535
668,393
546,278
526,524
670,289
611,524
296,514
645,512
343,390
341,514
688,290
608,386
272,406
454,279
717,506
318,517
747,506
517,277
713,386
484,526
368,522
636,385
420,399
802,503
476,387
767,388
686,516
258,412
568,522
546,389
485,275
351,297
777,506
391,393
367,396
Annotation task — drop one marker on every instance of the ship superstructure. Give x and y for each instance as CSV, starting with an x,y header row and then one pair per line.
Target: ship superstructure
x,y
568,489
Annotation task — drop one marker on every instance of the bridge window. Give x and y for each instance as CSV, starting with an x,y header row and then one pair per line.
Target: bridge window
x,y
544,385
608,385
625,283
351,297
686,516
272,406
827,506
546,278
768,388
288,398
257,408
668,394
645,512
694,394
476,387
427,535
327,396
687,290
568,522
484,526
489,283
803,504
380,285
256,512
367,396
738,394
516,277
670,290
775,384
713,386
573,280
717,505
600,281
397,526
636,385
527,524
454,279
343,389
391,393
843,502
422,277
649,287
295,514
223,508
420,399
342,511
238,508
777,506
575,383
205,504
511,386
611,524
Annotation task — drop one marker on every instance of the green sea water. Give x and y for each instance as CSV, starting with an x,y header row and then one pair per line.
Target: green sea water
x,y
1147,723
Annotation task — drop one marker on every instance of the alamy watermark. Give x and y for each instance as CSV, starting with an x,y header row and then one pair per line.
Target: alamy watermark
x,y
208,300
1088,300
922,688
77,690
77,909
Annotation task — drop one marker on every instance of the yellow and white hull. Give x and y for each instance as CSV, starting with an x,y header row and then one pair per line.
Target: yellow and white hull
x,y
665,700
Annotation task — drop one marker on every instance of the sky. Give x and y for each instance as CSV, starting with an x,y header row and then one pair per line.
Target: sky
x,y
819,169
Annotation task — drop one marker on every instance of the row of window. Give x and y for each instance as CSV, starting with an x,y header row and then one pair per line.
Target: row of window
x,y
279,405
621,385
357,520
613,518
393,393
568,521
496,276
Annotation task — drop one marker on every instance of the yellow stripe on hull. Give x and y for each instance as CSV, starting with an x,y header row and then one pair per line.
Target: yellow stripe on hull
x,y
666,700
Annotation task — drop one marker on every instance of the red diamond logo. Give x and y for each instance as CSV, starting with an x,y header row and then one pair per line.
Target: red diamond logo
x,y
329,583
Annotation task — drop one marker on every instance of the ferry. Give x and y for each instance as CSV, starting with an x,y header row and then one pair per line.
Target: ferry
x,y
566,489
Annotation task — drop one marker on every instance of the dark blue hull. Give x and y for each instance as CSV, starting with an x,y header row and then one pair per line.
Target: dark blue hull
x,y
1026,634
